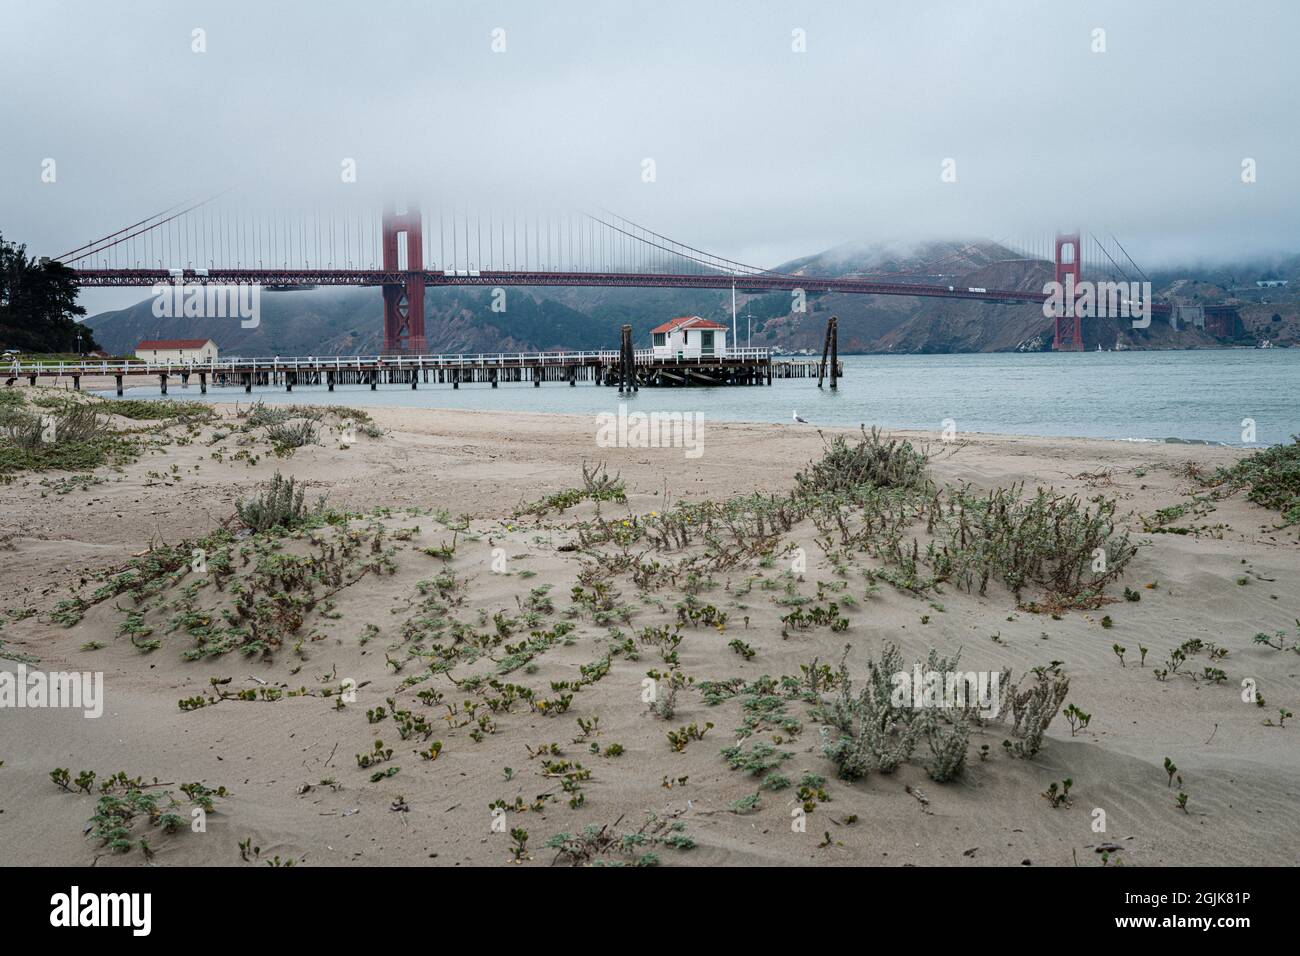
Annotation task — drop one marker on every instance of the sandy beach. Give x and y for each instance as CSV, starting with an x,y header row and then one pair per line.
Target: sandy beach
x,y
456,489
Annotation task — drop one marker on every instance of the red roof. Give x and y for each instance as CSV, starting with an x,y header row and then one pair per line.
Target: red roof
x,y
167,344
687,321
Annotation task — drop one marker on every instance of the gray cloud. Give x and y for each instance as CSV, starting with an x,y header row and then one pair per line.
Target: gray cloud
x,y
762,154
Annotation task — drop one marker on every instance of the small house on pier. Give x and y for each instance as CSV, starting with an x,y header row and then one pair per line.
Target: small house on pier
x,y
689,336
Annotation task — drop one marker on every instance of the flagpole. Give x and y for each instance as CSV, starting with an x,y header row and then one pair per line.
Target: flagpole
x,y
734,340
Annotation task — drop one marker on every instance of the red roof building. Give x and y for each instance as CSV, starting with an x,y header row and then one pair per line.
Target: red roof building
x,y
177,350
687,321
689,336
169,344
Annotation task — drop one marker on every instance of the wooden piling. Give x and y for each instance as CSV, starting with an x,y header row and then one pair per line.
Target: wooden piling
x,y
835,350
627,362
621,373
826,348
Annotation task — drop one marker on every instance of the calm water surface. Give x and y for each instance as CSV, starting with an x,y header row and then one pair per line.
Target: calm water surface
x,y
1187,396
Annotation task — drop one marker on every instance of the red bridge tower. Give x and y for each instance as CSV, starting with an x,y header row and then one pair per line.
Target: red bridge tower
x,y
1069,328
404,302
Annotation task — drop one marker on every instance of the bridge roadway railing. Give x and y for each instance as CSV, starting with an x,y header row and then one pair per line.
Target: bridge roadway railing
x,y
235,364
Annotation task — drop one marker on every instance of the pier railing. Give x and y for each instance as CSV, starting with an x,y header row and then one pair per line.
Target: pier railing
x,y
233,364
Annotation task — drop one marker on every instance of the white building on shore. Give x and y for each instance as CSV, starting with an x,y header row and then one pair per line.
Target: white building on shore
x,y
179,351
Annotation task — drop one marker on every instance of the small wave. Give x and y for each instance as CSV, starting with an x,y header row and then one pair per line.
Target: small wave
x,y
1179,441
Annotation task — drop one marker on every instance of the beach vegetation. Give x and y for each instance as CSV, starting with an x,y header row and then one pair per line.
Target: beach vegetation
x,y
281,504
75,438
1270,478
1058,795
1034,701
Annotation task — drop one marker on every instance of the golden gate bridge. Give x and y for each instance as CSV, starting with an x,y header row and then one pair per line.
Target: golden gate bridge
x,y
406,251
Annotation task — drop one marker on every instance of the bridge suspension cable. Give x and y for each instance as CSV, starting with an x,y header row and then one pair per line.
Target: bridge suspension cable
x,y
95,242
125,235
698,255
1106,252
1115,239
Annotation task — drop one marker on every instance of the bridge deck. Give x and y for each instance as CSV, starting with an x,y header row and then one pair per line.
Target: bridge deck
x,y
305,278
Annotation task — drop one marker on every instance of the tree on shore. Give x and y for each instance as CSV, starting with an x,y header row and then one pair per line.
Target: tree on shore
x,y
38,305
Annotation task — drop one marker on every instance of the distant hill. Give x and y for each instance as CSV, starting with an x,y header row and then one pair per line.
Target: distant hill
x,y
349,321
346,321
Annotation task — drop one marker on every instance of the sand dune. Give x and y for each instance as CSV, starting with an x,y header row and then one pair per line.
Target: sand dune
x,y
1242,777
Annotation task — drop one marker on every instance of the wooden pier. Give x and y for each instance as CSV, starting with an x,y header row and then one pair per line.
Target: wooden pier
x,y
626,369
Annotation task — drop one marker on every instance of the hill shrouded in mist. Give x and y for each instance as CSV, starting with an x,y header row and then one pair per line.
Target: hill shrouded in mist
x,y
345,321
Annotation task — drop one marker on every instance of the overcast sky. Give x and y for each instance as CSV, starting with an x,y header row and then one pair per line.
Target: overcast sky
x,y
760,152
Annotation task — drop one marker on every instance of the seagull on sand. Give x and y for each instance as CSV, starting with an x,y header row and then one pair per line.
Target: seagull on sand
x,y
798,419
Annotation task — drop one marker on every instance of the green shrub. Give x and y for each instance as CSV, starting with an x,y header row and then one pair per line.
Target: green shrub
x,y
280,505
871,461
140,409
75,438
1272,477
286,437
